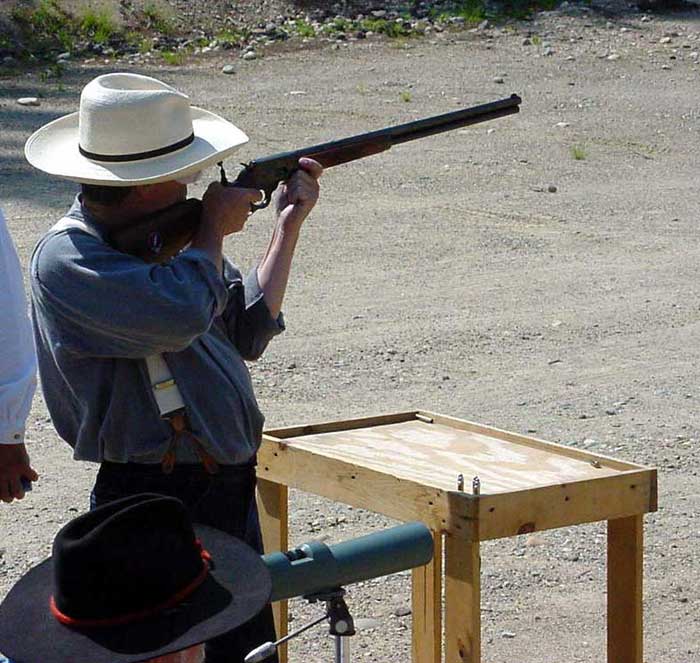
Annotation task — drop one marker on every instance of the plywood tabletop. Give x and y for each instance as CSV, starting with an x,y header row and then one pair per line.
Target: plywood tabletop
x,y
434,454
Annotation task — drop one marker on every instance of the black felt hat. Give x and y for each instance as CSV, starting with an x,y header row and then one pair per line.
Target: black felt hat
x,y
130,581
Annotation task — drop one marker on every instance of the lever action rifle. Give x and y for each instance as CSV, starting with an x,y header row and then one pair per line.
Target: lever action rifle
x,y
160,236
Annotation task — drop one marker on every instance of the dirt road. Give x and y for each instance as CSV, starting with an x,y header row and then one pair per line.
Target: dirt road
x,y
445,274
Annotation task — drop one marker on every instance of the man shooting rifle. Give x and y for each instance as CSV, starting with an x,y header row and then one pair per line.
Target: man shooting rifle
x,y
143,365
142,358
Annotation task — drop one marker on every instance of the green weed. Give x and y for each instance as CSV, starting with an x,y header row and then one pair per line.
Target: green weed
x,y
54,70
145,44
578,153
98,26
391,29
405,96
173,58
475,11
304,29
338,25
472,11
44,28
157,20
231,38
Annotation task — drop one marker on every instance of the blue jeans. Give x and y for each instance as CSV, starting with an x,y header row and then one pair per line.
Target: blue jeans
x,y
225,501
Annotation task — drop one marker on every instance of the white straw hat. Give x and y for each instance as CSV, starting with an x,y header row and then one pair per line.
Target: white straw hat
x,y
131,130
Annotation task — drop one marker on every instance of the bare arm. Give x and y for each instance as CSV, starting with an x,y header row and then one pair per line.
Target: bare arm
x,y
294,200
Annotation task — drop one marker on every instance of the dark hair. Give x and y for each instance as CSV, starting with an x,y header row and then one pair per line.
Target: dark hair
x,y
105,195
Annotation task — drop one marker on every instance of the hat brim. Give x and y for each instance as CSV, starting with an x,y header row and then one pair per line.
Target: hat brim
x,y
236,589
54,149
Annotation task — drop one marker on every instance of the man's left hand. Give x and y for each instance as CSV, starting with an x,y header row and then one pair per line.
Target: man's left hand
x,y
296,197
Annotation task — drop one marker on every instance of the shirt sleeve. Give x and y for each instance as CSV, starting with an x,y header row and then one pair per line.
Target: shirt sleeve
x,y
100,302
249,323
17,354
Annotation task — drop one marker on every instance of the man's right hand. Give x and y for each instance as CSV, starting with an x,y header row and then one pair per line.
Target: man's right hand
x,y
228,207
14,464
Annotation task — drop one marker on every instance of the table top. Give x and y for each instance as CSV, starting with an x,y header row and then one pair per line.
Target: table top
x,y
434,454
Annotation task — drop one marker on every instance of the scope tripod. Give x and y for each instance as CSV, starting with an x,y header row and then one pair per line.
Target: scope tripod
x,y
341,626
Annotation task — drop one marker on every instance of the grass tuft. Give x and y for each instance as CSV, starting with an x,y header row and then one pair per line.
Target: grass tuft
x,y
173,58
472,11
304,29
578,153
230,38
156,19
475,11
98,26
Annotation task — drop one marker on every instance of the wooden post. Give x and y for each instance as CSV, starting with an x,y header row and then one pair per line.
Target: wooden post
x,y
462,601
273,511
426,607
625,555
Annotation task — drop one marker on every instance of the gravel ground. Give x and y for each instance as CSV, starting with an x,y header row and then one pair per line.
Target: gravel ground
x,y
538,273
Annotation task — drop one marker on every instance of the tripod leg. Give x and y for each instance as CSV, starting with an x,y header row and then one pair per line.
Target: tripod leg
x,y
342,649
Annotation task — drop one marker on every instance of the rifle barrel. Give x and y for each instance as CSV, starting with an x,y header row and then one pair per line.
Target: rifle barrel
x,y
348,149
454,120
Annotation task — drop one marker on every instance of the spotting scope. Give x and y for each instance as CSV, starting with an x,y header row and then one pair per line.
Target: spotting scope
x,y
318,573
315,567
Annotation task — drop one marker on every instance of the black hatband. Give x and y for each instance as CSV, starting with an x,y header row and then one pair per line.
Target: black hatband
x,y
139,155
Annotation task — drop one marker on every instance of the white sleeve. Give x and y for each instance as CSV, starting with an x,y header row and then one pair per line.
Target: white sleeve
x,y
17,354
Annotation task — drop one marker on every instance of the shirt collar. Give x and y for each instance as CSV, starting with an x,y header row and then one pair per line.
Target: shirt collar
x,y
79,212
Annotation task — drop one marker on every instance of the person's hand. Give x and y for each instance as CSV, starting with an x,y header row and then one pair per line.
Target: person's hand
x,y
228,207
14,464
296,197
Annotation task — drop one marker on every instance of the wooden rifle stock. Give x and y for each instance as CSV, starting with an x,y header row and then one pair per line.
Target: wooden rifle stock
x,y
160,236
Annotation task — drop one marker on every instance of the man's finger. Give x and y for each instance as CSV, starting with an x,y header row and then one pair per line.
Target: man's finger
x,y
311,166
5,490
304,178
16,489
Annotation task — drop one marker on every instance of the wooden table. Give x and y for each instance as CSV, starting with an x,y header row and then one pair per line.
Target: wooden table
x,y
407,466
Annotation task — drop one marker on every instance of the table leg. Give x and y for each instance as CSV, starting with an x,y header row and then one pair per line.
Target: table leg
x,y
625,555
462,601
273,511
426,607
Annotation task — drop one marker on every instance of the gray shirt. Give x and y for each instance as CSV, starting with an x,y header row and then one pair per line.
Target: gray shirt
x,y
97,313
